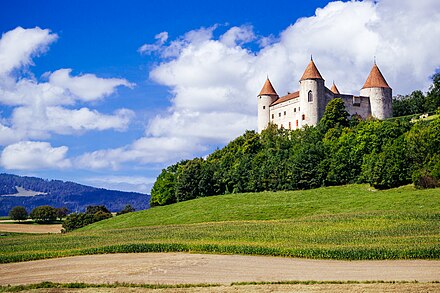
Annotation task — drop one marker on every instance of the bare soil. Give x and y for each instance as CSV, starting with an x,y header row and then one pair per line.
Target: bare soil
x,y
181,268
30,228
343,288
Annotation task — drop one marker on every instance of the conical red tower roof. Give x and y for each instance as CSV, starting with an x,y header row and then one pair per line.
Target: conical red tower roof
x,y
268,89
311,72
334,89
375,79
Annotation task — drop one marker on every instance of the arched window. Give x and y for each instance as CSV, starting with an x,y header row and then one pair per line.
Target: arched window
x,y
310,97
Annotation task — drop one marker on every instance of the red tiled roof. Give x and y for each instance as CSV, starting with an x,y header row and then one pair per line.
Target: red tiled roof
x,y
286,98
375,79
311,72
334,89
268,89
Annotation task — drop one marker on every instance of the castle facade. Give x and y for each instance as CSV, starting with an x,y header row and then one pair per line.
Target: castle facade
x,y
306,106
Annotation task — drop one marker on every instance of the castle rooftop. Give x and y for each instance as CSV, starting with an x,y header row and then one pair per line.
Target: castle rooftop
x,y
268,89
334,89
311,72
375,79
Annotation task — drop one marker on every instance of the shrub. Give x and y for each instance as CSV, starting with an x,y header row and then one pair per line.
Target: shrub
x,y
18,213
93,214
62,212
127,209
44,214
91,210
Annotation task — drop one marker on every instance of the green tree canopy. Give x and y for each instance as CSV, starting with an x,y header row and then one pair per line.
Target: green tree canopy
x,y
335,115
18,213
44,214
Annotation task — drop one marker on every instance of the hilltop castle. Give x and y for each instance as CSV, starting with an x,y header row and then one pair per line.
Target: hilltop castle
x,y
306,106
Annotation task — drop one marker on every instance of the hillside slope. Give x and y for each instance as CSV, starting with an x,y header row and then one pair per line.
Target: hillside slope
x,y
331,201
18,190
346,222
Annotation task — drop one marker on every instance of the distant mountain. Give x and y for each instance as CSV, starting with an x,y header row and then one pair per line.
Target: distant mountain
x,y
31,192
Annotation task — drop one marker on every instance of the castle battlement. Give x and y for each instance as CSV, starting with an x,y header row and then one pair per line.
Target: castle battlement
x,y
306,106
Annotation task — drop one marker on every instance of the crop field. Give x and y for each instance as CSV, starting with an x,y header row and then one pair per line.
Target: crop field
x,y
348,222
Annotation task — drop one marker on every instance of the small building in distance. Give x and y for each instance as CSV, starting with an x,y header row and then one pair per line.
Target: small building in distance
x,y
306,106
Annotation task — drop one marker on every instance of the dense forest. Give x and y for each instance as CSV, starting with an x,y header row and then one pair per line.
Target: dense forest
x,y
339,150
75,197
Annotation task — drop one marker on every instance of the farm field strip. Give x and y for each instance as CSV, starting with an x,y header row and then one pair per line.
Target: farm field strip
x,y
349,222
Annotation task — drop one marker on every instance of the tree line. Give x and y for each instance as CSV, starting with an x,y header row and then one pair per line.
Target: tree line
x,y
339,150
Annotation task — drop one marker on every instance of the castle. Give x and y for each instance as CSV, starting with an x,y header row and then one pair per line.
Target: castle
x,y
306,106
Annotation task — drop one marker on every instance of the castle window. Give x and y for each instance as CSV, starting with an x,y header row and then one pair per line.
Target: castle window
x,y
303,117
282,126
279,114
299,109
296,123
310,97
284,113
273,116
290,125
264,107
294,110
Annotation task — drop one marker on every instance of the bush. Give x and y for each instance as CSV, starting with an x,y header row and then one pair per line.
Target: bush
x,y
44,214
128,209
18,213
91,210
62,212
93,214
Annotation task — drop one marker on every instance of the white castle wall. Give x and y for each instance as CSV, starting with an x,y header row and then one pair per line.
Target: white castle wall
x,y
314,110
380,100
357,105
264,102
286,114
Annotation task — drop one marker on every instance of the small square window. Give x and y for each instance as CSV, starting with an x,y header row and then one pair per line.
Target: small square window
x,y
273,116
299,108
303,117
294,110
284,113
279,114
264,107
296,123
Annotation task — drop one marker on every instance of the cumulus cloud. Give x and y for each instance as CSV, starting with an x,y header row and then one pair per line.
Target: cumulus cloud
x,y
86,87
161,38
144,150
39,108
237,36
19,45
125,183
29,155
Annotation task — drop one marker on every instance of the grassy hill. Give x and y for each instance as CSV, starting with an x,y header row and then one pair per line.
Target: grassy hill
x,y
347,222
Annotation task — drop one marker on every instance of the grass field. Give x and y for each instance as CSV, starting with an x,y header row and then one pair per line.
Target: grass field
x,y
347,222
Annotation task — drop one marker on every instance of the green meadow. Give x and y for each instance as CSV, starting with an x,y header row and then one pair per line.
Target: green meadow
x,y
345,222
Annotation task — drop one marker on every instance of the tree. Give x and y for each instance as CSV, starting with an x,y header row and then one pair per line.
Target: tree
x,y
62,212
91,210
164,189
18,213
44,214
127,209
335,115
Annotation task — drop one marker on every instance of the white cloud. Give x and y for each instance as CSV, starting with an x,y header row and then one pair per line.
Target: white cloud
x,y
143,151
29,155
161,38
86,87
125,183
39,108
237,36
19,45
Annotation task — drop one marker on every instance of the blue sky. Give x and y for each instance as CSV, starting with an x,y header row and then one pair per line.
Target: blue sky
x,y
108,93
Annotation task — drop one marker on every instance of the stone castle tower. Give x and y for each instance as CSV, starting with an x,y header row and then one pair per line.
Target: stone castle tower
x,y
307,105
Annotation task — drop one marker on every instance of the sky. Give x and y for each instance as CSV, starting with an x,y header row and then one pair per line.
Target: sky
x,y
108,93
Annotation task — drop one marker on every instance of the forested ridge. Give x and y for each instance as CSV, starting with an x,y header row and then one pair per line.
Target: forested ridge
x,y
57,193
339,150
